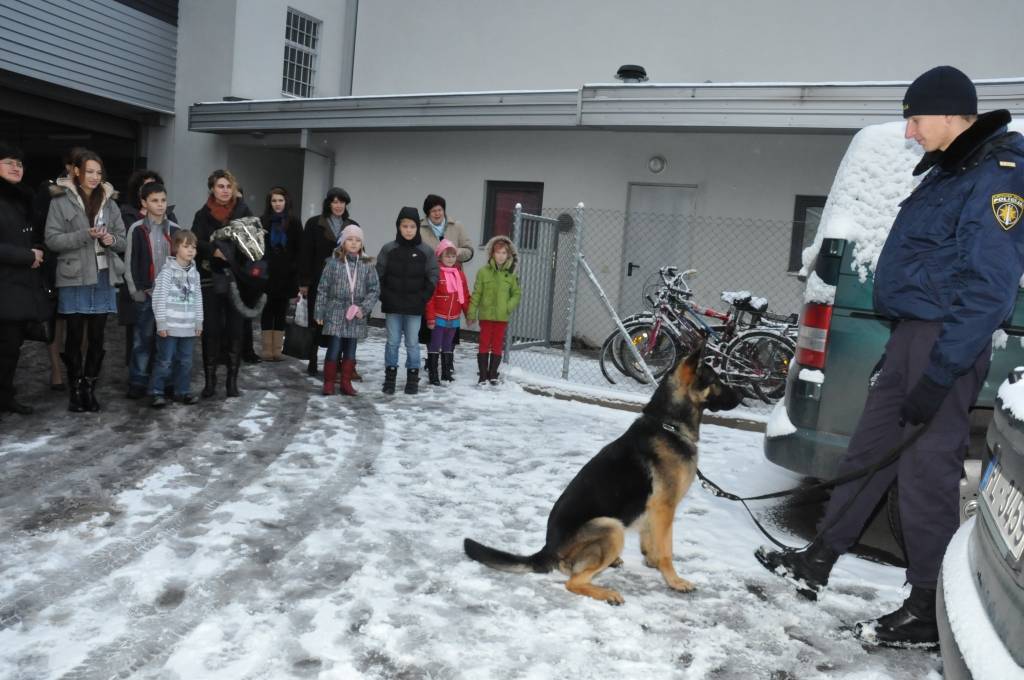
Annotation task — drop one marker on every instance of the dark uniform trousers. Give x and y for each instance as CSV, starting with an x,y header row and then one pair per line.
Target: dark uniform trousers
x,y
928,472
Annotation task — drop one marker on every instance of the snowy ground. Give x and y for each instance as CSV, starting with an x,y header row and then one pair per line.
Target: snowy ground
x,y
289,535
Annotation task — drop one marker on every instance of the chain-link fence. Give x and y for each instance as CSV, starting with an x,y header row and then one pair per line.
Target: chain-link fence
x,y
624,251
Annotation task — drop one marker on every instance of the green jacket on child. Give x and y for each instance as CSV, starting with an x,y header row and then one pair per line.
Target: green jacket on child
x,y
496,290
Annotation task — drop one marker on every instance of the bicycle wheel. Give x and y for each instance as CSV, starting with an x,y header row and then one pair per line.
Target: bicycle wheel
x,y
660,355
759,360
610,358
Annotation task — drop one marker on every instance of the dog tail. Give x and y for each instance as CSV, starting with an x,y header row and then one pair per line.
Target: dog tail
x,y
541,562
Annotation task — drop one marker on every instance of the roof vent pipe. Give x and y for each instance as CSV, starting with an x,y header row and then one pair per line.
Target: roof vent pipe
x,y
631,73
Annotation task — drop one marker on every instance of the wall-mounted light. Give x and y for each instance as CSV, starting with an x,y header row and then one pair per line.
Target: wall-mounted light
x,y
656,164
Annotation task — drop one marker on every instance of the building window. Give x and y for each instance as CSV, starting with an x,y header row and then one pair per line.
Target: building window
x,y
301,41
806,218
501,202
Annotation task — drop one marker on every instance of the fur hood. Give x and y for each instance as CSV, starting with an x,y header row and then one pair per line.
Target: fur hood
x,y
513,260
65,185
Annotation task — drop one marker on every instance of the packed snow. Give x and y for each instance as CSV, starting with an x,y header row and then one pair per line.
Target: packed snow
x,y
286,534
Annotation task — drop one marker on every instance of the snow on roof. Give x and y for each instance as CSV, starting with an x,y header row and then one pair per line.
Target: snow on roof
x,y
873,178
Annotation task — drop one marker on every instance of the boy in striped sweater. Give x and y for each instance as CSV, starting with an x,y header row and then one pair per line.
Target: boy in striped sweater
x,y
178,310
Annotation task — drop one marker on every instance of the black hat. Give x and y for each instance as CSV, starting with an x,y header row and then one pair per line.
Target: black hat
x,y
408,213
11,151
431,200
941,91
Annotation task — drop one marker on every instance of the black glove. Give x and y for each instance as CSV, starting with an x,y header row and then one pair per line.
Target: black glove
x,y
922,402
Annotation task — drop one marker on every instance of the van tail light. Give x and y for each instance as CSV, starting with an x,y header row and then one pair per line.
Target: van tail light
x,y
813,337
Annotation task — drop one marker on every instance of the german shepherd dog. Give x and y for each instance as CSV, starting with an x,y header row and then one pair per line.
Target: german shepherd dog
x,y
635,481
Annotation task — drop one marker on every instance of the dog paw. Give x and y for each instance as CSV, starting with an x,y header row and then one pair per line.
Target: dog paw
x,y
616,564
681,584
614,599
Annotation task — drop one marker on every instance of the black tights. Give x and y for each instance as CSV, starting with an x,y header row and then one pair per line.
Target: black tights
x,y
79,326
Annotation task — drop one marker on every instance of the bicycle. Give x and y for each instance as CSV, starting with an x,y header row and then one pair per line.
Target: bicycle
x,y
750,347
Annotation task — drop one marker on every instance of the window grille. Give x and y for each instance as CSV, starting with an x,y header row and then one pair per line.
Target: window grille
x,y
301,42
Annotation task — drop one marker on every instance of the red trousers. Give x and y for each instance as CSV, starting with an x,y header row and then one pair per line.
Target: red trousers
x,y
492,336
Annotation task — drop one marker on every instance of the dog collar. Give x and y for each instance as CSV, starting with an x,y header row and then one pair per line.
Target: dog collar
x,y
664,425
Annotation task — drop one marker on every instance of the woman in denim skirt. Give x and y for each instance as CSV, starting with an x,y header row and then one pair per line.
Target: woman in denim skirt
x,y
84,228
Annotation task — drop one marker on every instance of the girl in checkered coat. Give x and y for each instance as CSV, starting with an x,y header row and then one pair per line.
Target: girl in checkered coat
x,y
347,293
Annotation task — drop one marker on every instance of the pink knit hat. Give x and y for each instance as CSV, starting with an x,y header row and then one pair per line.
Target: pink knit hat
x,y
351,230
444,245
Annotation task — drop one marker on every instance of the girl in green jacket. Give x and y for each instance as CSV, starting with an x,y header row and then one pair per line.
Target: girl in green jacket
x,y
495,296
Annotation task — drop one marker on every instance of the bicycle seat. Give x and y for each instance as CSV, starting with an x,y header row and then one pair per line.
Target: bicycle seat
x,y
745,301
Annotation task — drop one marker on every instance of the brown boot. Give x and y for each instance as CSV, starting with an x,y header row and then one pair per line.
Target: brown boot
x,y
267,345
277,345
330,372
355,374
347,366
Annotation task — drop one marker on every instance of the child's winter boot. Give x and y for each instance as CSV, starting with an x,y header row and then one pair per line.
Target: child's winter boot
x,y
481,364
390,374
448,366
412,381
432,358
347,368
330,373
492,368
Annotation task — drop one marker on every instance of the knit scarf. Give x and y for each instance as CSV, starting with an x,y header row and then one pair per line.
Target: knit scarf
x,y
438,229
221,213
335,223
452,283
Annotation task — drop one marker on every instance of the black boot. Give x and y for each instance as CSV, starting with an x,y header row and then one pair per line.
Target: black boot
x,y
807,569
79,400
492,368
93,363
482,367
912,626
390,375
448,366
432,358
74,367
231,380
412,381
209,377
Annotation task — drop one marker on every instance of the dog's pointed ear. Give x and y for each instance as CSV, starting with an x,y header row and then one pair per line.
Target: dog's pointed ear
x,y
689,367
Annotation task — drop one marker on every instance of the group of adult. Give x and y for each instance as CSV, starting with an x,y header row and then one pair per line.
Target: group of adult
x,y
61,264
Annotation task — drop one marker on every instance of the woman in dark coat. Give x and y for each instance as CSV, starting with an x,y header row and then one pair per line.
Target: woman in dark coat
x,y
222,322
282,241
21,279
319,239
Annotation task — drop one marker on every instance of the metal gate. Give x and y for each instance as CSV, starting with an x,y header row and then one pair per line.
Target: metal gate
x,y
536,239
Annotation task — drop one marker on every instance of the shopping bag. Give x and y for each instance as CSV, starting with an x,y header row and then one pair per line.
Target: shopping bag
x,y
298,341
302,312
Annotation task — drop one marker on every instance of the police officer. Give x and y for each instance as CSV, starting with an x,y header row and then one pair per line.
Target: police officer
x,y
947,276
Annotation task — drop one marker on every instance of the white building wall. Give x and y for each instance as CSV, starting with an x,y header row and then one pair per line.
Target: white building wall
x,y
471,45
737,176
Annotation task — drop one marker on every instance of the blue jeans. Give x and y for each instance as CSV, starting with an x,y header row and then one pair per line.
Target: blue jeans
x,y
397,325
176,354
343,347
142,344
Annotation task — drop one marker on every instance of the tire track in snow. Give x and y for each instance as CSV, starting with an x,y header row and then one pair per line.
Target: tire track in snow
x,y
232,476
154,637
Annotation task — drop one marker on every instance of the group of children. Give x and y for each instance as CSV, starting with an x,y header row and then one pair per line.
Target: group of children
x,y
408,278
410,281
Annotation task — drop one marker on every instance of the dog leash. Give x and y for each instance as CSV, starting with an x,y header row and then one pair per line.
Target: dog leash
x,y
866,472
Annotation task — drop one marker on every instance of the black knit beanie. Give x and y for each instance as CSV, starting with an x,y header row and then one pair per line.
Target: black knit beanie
x,y
431,200
942,91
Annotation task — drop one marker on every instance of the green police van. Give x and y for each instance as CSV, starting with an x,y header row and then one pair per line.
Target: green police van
x,y
841,338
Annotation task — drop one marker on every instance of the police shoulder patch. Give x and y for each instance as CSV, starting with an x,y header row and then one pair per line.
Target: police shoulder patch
x,y
1008,209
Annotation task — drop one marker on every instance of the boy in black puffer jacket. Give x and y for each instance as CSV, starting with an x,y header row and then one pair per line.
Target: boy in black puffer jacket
x,y
407,269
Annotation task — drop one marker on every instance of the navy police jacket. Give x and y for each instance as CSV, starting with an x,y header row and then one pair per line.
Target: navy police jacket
x,y
955,253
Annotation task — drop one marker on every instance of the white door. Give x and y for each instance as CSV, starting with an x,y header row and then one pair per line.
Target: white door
x,y
656,235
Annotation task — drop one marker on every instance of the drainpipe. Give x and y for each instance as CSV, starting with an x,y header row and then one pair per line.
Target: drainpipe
x,y
348,58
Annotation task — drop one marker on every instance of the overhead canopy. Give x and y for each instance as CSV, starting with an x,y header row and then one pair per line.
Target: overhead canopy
x,y
792,107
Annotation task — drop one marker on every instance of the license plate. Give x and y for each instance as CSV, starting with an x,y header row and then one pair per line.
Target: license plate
x,y
1005,502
